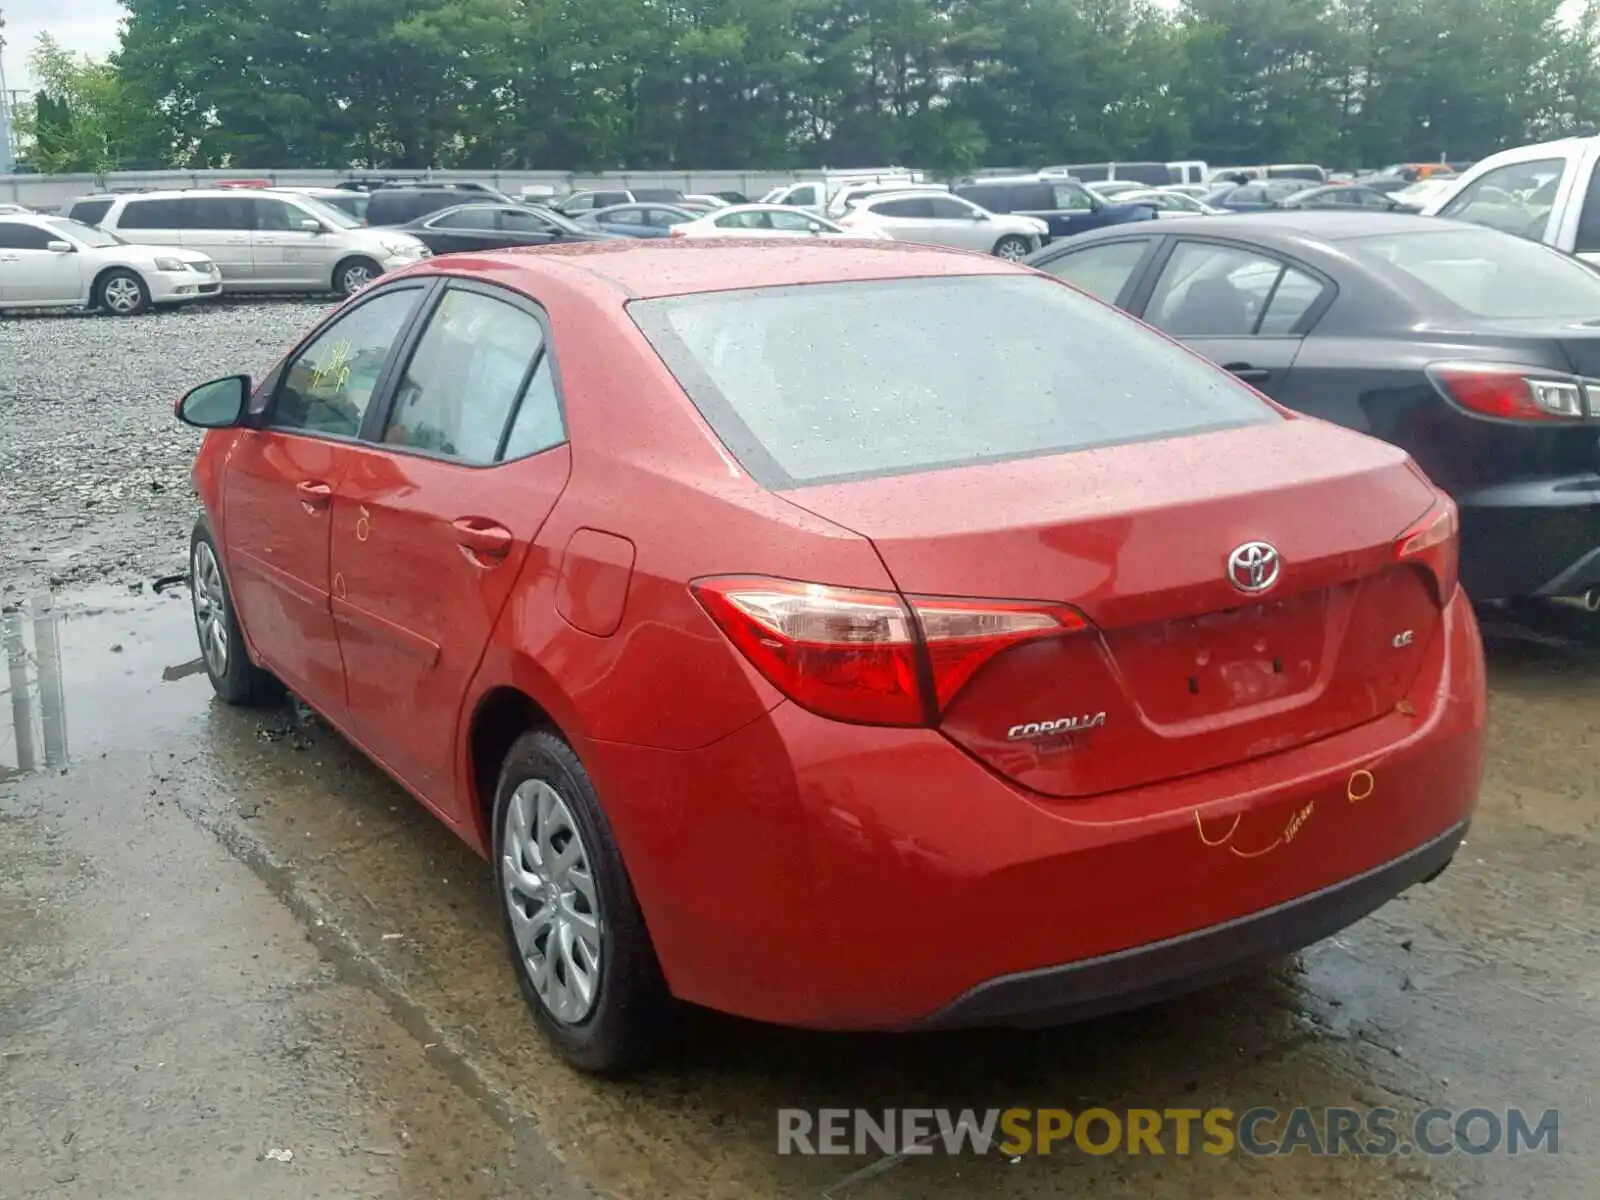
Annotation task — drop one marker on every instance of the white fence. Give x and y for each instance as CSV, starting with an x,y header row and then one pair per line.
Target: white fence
x,y
50,192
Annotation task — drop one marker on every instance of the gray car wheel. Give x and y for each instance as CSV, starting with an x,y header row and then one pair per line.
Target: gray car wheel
x,y
122,294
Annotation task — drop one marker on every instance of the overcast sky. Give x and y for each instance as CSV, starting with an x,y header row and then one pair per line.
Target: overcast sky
x,y
89,26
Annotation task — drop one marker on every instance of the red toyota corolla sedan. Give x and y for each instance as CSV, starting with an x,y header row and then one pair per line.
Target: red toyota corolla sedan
x,y
850,636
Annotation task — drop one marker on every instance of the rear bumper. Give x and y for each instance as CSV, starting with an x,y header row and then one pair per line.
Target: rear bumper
x,y
1532,538
1147,974
833,876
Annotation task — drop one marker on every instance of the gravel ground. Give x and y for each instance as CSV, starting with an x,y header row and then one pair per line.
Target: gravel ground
x,y
94,468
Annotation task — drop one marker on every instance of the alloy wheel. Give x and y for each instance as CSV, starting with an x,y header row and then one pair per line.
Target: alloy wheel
x,y
1012,250
210,609
123,295
552,901
355,278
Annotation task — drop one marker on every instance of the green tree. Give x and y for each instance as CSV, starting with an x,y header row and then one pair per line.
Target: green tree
x,y
80,120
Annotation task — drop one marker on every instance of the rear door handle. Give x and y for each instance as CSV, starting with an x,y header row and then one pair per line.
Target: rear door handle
x,y
480,536
1248,373
238,241
313,495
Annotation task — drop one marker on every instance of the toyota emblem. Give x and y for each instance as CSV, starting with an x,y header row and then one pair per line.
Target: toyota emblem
x,y
1254,567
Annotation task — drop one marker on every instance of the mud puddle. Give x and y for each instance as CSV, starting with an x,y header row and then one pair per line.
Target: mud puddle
x,y
1473,991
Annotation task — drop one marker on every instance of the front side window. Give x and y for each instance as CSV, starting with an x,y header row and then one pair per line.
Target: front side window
x,y
1103,270
948,208
469,368
791,222
14,235
626,216
328,386
1072,197
663,218
825,382
474,217
1208,290
521,221
1516,198
276,216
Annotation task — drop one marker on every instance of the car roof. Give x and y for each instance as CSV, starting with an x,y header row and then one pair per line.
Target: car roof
x,y
648,268
1282,227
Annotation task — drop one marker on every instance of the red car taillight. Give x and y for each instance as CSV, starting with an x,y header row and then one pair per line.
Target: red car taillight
x,y
1510,393
1434,542
868,657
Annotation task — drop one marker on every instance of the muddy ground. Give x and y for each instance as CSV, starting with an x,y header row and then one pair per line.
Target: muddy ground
x,y
236,961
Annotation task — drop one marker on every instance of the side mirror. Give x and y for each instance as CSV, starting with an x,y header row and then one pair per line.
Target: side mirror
x,y
219,404
980,216
61,247
311,225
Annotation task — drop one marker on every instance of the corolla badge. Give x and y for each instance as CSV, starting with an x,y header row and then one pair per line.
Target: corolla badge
x,y
1044,729
1254,567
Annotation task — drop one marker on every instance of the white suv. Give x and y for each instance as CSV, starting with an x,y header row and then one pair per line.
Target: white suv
x,y
945,220
262,241
55,262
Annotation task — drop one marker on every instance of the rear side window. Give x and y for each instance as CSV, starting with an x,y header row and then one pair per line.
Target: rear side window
x,y
90,212
150,214
838,381
1488,274
465,376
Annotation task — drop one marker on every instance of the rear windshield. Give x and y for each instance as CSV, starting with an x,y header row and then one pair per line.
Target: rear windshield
x,y
841,381
1488,273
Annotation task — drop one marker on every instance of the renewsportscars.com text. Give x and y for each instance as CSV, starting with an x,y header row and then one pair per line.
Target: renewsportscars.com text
x,y
1261,1132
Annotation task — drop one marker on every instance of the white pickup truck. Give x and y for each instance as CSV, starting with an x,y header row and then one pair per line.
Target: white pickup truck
x,y
1548,193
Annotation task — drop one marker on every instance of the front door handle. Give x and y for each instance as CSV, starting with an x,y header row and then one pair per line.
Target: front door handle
x,y
314,496
481,537
1248,373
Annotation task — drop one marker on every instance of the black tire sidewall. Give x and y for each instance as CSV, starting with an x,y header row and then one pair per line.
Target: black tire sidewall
x,y
611,1039
243,683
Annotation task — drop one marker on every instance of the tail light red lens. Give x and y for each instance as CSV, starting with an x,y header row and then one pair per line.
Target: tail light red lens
x,y
1509,393
1434,542
870,657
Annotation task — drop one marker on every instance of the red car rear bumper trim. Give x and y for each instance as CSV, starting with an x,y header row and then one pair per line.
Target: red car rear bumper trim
x,y
1146,974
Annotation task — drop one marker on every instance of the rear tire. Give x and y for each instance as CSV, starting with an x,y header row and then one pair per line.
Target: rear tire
x,y
235,678
122,294
578,943
353,274
1012,248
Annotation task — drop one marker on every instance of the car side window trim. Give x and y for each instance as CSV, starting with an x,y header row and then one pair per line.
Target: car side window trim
x,y
262,420
383,396
1303,326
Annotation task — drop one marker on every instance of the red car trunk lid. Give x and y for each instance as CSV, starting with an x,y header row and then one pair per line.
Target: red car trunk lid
x,y
1183,671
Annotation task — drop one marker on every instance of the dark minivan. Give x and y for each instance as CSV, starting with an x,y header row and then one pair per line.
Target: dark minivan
x,y
402,205
1065,205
